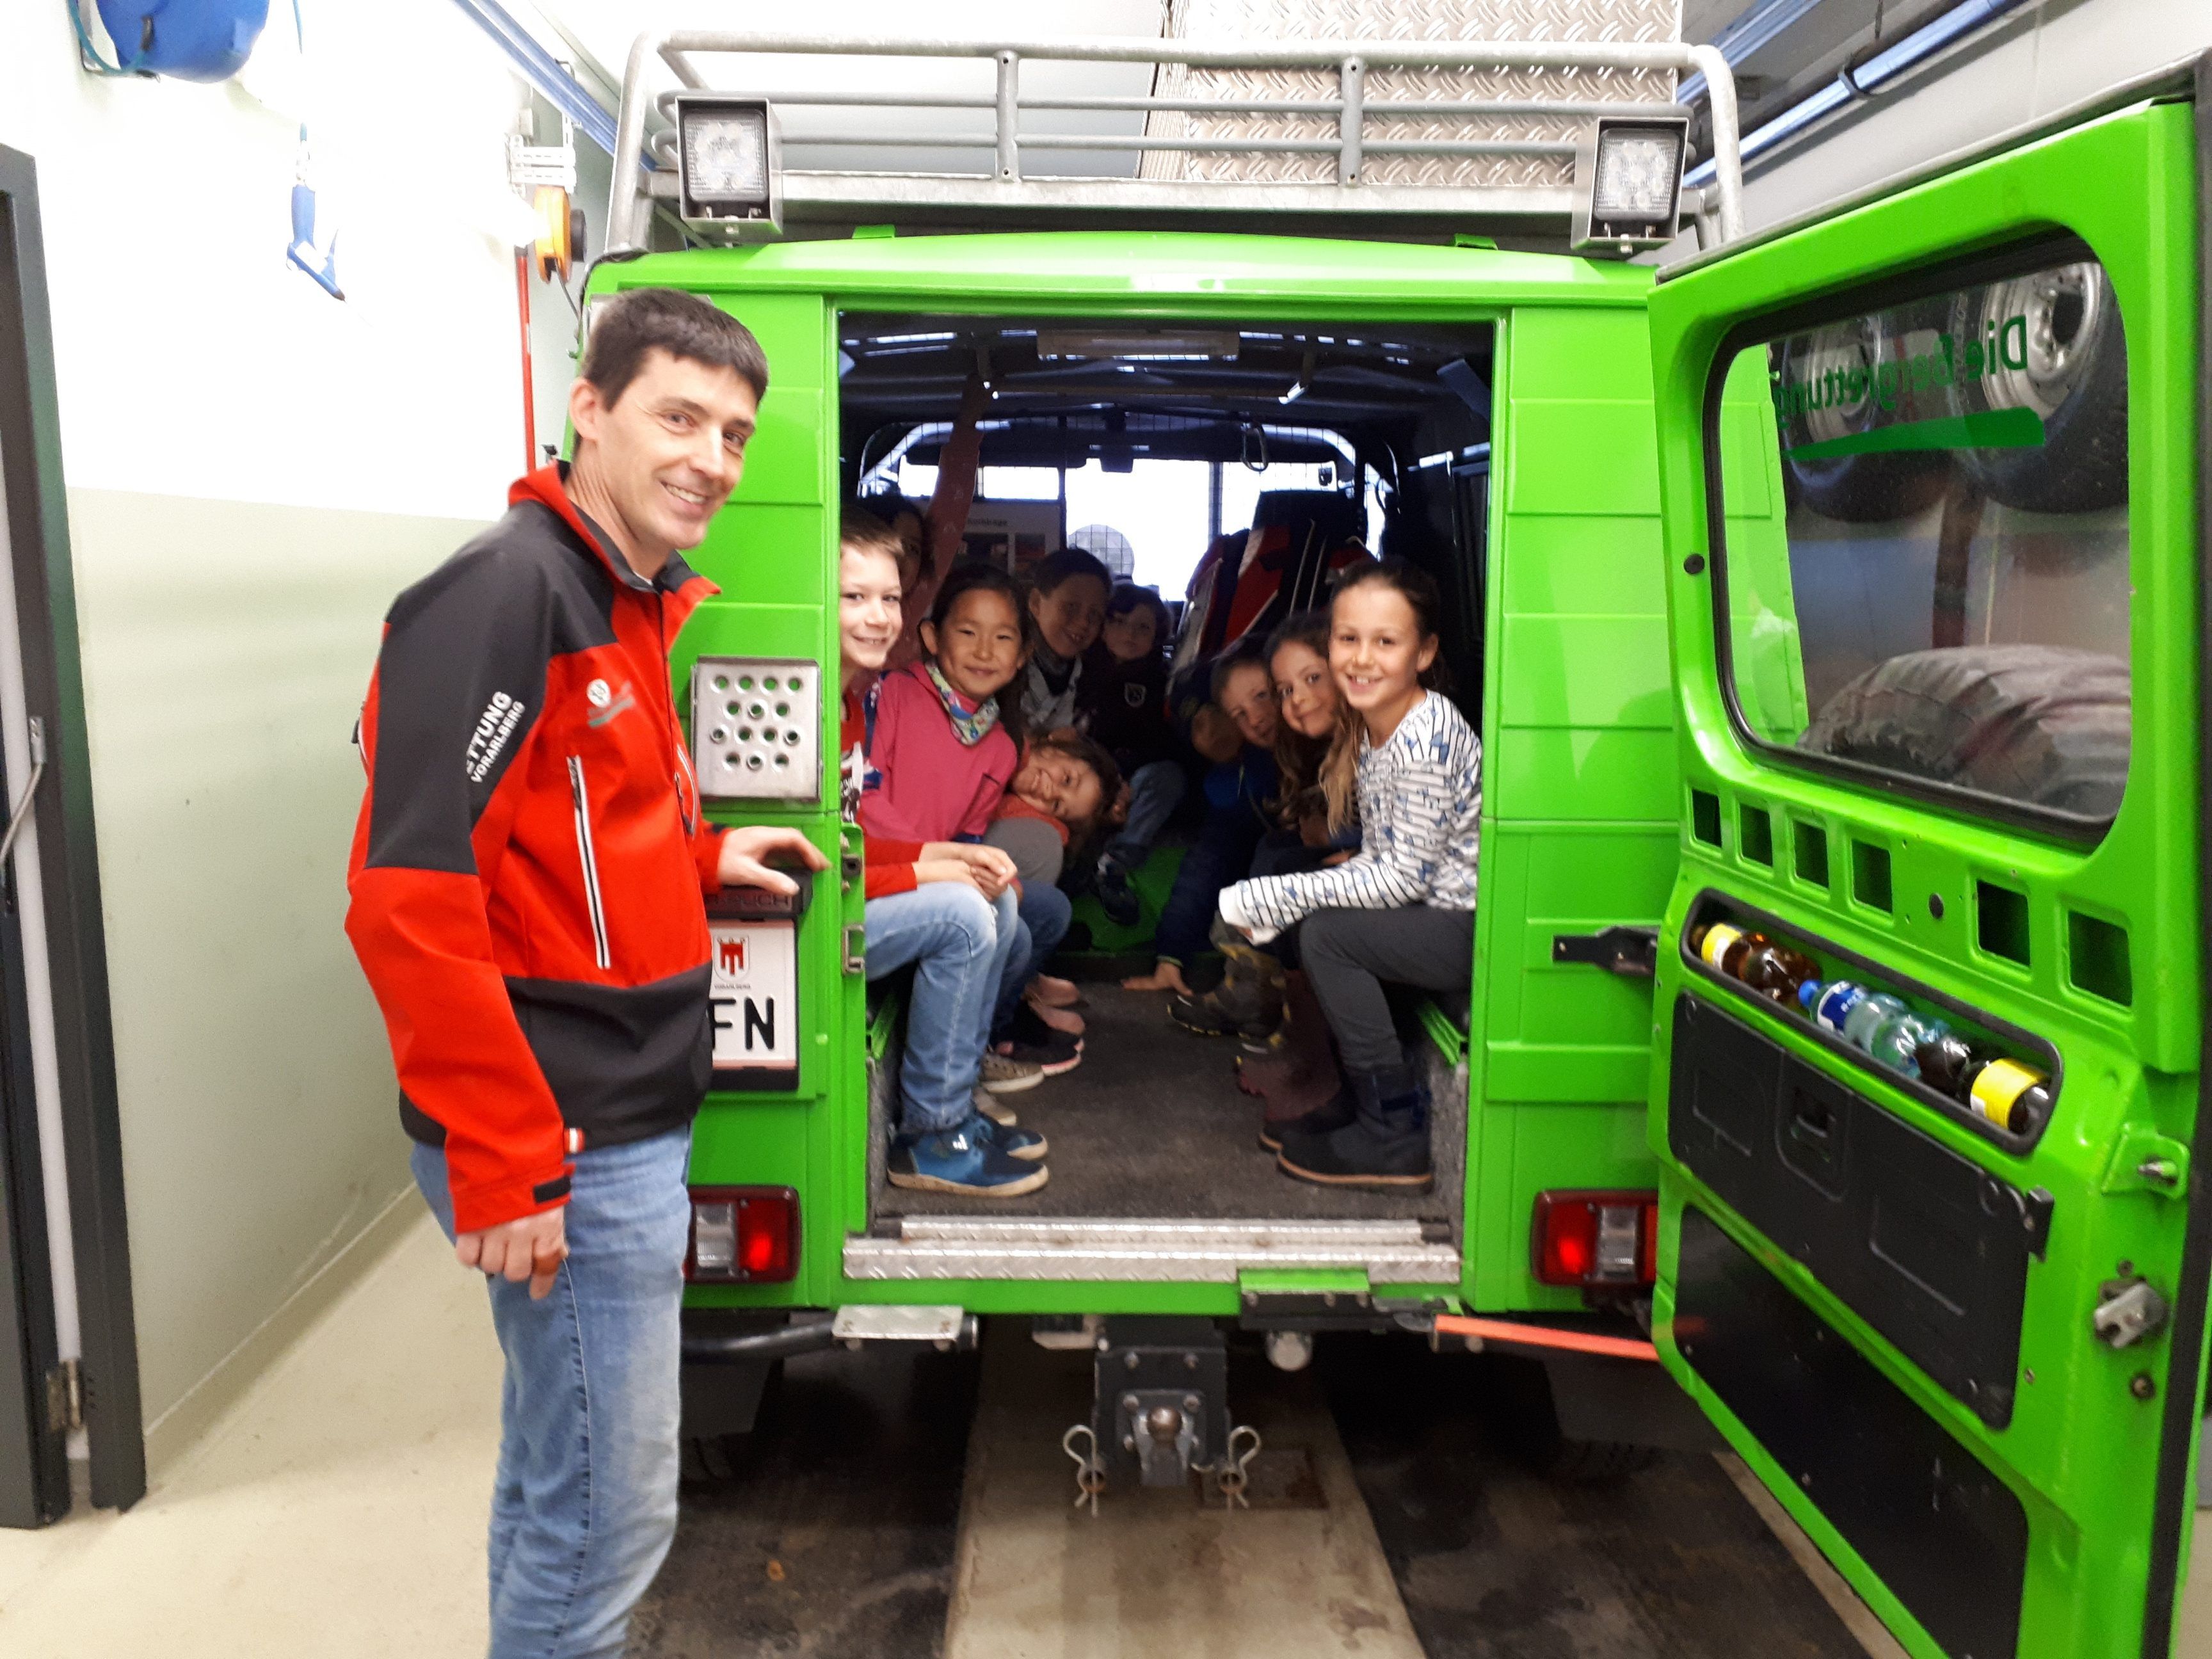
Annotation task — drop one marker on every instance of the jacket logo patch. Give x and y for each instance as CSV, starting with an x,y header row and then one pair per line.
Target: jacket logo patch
x,y
494,727
1133,694
609,704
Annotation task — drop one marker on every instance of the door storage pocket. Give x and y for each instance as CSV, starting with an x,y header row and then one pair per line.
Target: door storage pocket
x,y
1926,1245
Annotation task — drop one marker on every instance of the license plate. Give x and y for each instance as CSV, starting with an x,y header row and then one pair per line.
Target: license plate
x,y
754,992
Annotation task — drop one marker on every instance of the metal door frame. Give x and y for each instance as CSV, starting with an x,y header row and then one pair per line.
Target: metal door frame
x,y
74,957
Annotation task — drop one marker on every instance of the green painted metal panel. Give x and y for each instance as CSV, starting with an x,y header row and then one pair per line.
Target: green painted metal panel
x,y
1603,672
1588,457
2083,1448
1582,773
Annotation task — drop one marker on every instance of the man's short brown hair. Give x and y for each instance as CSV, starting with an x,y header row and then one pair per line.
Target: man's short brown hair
x,y
627,326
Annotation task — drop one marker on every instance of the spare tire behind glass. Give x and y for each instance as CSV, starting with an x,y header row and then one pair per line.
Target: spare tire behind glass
x,y
2059,350
2039,724
1850,489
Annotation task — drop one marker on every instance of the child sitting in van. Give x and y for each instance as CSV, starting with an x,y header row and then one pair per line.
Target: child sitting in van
x,y
946,907
1123,707
1237,730
1055,803
1402,912
1066,608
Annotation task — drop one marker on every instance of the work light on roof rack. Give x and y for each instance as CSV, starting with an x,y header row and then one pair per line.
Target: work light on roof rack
x,y
729,163
1628,183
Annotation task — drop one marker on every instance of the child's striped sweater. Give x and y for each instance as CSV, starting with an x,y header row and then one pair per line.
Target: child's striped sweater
x,y
1420,804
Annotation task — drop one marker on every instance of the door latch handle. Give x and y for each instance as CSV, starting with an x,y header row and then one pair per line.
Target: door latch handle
x,y
21,815
1632,952
2131,1309
856,947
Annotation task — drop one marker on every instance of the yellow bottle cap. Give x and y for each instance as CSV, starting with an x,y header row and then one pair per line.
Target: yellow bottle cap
x,y
1719,938
1998,1087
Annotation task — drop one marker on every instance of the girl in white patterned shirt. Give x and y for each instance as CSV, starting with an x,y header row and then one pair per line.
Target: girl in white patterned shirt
x,y
1402,912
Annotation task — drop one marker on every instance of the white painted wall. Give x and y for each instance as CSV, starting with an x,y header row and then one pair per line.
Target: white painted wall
x,y
255,470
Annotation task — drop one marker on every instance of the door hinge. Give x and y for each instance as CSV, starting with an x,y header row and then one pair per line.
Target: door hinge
x,y
65,1397
1633,953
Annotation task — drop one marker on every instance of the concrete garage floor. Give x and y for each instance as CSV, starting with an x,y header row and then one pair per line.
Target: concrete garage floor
x,y
339,1511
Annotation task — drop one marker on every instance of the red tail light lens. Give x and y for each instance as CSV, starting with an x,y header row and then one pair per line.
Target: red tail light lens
x,y
742,1236
1596,1238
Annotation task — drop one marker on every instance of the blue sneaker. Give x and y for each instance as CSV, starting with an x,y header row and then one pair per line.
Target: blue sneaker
x,y
1026,1145
961,1161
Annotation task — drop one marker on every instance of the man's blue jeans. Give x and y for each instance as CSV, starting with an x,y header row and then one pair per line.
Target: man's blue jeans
x,y
961,944
584,1503
1046,914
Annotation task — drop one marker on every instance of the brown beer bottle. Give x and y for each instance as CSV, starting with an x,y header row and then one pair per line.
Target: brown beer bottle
x,y
1776,971
1724,947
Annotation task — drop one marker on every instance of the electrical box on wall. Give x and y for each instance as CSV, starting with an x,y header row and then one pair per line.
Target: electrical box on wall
x,y
756,728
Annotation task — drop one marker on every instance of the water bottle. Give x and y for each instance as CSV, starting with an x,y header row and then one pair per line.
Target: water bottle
x,y
1829,1005
1869,1015
1897,1040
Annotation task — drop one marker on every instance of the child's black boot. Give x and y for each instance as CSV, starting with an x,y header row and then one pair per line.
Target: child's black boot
x,y
1385,1145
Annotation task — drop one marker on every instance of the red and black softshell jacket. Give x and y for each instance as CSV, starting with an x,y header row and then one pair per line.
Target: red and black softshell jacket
x,y
528,870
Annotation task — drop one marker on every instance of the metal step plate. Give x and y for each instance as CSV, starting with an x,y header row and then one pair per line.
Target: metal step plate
x,y
1187,1252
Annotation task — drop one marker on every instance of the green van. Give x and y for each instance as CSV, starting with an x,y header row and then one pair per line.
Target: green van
x,y
1838,982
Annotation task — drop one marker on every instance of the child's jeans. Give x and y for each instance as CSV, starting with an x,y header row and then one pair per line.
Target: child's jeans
x,y
964,946
1155,791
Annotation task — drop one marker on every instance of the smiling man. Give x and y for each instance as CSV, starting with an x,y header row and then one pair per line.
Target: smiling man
x,y
526,880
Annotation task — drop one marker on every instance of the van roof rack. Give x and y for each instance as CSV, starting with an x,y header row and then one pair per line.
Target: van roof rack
x,y
1376,138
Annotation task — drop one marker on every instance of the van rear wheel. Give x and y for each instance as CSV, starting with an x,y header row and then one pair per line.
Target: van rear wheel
x,y
1523,1410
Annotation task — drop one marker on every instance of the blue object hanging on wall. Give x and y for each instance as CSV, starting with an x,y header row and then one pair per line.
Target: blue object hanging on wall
x,y
188,40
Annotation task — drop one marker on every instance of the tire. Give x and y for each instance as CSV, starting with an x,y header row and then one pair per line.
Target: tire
x,y
2034,724
1597,1462
1851,489
2074,374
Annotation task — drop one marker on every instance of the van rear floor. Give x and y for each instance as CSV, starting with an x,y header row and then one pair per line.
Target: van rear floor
x,y
1151,1124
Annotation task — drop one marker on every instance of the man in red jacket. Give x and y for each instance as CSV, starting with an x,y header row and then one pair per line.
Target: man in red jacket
x,y
526,883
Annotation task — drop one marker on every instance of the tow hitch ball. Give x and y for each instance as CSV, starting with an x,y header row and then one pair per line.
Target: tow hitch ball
x,y
1159,1413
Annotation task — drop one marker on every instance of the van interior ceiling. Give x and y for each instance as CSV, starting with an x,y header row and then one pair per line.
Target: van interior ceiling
x,y
1392,419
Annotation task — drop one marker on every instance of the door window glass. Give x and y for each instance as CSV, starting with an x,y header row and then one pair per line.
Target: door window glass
x,y
1925,548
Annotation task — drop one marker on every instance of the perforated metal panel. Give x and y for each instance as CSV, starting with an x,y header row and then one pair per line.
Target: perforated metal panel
x,y
756,728
1639,21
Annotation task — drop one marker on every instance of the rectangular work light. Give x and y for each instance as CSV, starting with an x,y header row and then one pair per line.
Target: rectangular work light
x,y
1628,183
729,161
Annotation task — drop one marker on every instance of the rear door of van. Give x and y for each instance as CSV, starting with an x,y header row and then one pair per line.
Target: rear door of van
x,y
1930,988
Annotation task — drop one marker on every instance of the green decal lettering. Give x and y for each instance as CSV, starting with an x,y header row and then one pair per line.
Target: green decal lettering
x,y
1973,359
2014,342
1885,385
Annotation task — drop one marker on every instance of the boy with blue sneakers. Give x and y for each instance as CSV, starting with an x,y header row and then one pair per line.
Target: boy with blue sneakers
x,y
947,908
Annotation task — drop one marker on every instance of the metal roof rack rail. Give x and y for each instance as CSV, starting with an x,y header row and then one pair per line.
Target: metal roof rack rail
x,y
1372,138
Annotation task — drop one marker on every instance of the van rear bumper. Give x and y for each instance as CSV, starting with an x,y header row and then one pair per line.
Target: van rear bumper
x,y
1148,1252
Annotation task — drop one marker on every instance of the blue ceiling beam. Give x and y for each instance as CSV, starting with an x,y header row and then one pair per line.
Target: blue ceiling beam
x,y
539,67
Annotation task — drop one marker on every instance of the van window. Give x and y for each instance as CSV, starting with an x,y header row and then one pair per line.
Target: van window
x,y
1924,546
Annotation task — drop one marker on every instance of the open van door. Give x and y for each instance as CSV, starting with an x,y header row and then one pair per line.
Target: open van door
x,y
1930,1002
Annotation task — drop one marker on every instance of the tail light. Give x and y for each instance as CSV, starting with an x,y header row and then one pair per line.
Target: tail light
x,y
742,1236
1596,1238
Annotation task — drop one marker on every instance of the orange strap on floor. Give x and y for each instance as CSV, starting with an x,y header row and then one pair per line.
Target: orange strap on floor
x,y
1545,1336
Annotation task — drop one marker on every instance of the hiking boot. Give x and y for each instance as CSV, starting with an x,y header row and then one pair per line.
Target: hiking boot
x,y
1385,1145
1248,1004
961,1161
1002,1074
1315,1122
1117,894
1026,1145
